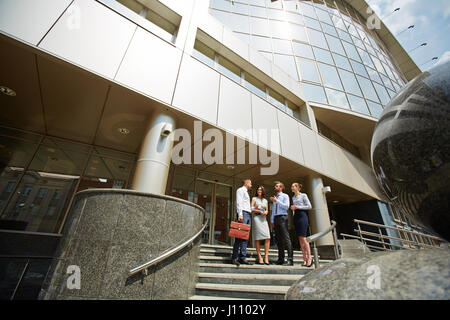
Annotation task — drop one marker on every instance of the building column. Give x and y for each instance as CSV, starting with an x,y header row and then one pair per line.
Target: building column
x,y
152,168
319,216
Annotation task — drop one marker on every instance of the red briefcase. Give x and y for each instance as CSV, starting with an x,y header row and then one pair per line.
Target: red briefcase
x,y
239,230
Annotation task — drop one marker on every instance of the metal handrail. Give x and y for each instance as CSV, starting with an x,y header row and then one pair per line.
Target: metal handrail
x,y
143,267
313,238
415,239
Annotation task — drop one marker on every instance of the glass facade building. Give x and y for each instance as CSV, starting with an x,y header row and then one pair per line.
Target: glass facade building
x,y
326,45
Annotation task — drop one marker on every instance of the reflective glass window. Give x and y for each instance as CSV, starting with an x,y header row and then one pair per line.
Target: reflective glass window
x,y
359,68
312,23
323,55
329,29
282,46
258,12
287,63
302,50
349,82
260,26
342,62
337,98
254,85
351,51
307,10
280,29
330,76
298,33
375,109
317,38
358,104
261,43
203,53
367,88
276,99
314,93
382,93
229,69
308,70
335,44
323,16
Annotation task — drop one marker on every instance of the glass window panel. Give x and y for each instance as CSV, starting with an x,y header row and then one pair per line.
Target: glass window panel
x,y
302,50
239,23
337,98
276,14
359,68
330,77
287,63
313,23
335,44
282,46
375,109
261,43
113,154
358,42
344,35
365,58
342,62
258,12
378,65
277,99
339,23
307,10
254,85
323,16
367,88
229,69
203,53
56,160
261,3
239,8
314,93
323,55
358,104
329,29
308,70
243,36
352,30
268,55
317,38
223,17
382,93
373,74
259,26
392,94
298,33
280,29
387,82
220,4
295,18
349,82
351,51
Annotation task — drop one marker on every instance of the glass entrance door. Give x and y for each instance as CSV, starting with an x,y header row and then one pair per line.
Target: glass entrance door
x,y
216,199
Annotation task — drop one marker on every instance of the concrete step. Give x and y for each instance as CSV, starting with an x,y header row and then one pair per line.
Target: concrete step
x,y
227,259
198,297
249,279
250,253
252,269
242,291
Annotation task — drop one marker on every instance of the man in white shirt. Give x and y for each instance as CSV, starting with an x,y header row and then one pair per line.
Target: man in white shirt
x,y
244,216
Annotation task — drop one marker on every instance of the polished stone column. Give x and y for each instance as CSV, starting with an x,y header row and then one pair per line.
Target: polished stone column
x,y
319,217
152,168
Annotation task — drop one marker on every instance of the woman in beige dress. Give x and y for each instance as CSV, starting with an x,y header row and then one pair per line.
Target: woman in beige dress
x,y
260,209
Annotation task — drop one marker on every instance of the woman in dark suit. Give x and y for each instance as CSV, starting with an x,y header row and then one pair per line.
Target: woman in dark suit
x,y
300,204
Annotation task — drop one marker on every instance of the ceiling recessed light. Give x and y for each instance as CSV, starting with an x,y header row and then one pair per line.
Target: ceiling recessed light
x,y
7,91
123,130
335,201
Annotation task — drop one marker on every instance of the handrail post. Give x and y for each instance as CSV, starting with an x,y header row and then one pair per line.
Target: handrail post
x,y
316,256
336,244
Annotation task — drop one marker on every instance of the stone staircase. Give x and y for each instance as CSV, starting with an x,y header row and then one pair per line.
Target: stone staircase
x,y
218,279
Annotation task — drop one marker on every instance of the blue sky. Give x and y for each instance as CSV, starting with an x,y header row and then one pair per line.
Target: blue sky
x,y
431,20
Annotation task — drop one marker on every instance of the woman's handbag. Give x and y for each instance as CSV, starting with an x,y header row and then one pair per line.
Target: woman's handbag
x,y
239,230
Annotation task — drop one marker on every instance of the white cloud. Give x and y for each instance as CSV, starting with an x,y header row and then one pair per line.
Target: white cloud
x,y
445,58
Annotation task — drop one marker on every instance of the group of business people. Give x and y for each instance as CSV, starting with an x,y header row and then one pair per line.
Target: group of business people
x,y
258,207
